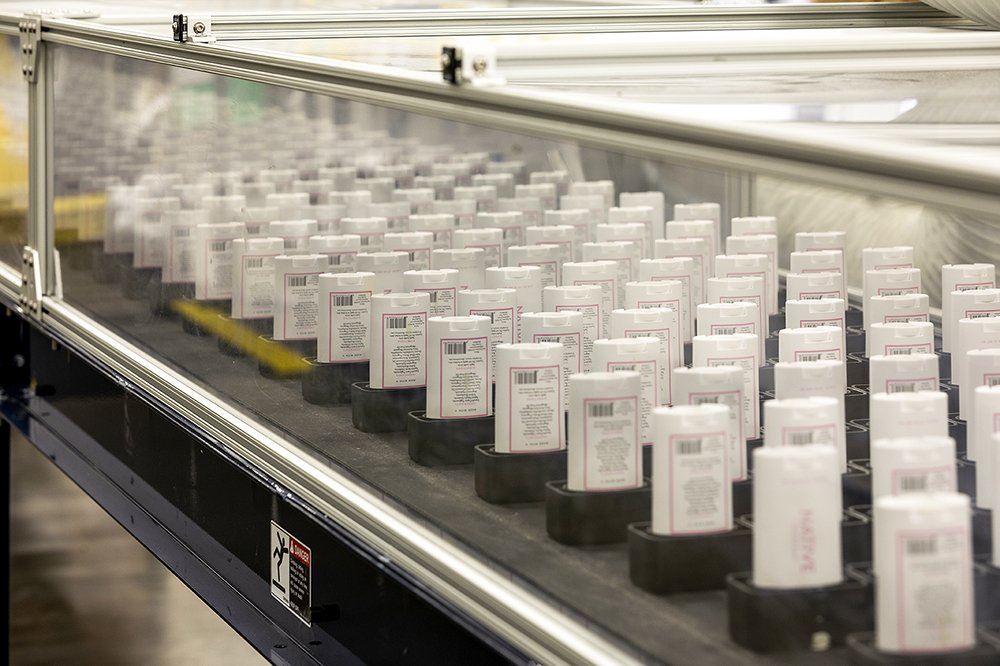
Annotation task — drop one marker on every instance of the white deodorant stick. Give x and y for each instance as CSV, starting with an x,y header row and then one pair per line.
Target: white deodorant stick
x,y
981,432
253,277
341,251
529,413
500,305
912,465
740,350
808,379
703,229
181,245
356,201
661,294
703,211
485,196
983,370
439,225
372,231
623,254
900,309
812,313
459,172
806,241
396,214
291,204
972,334
801,421
624,225
654,200
767,245
440,283
604,188
420,199
526,281
816,261
296,295
603,274
443,186
544,257
511,225
470,262
903,374
593,204
747,289
503,183
885,258
753,225
749,265
642,355
659,323
961,278
588,301
579,219
213,260
490,241
563,236
417,244
388,268
889,282
797,516
545,191
458,367
722,385
530,207
464,211
815,286
380,188
974,304
294,233
695,249
565,328
345,306
901,338
691,478
908,414
819,343
924,596
604,421
679,269
728,318
399,340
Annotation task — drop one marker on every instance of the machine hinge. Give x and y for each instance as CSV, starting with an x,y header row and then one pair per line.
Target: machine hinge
x,y
197,29
30,29
31,283
473,64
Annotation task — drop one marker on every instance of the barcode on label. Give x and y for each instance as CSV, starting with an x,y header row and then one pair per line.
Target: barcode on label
x,y
921,546
455,347
903,387
706,400
982,314
548,338
297,280
395,322
364,240
346,300
182,233
725,330
185,260
217,246
800,438
992,380
255,262
620,368
913,483
601,409
334,259
899,351
434,296
526,376
687,447
412,255
290,243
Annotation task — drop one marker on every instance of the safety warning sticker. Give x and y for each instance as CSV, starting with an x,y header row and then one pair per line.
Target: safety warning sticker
x,y
291,572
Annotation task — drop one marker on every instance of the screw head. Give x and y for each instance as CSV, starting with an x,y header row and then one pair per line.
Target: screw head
x,y
198,28
446,59
479,65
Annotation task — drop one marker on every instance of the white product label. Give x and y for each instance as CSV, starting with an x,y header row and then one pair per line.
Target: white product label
x,y
610,437
180,253
910,385
149,241
442,301
699,482
301,306
897,291
442,239
591,327
572,361
549,271
404,345
751,399
817,355
513,236
372,242
906,350
666,348
981,314
929,479
973,286
897,319
649,377
341,262
536,418
218,259
813,323
819,295
464,382
607,300
737,441
825,433
687,293
932,578
350,315
732,328
257,286
501,329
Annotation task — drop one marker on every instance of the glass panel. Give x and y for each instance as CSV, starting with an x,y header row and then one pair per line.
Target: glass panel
x,y
13,153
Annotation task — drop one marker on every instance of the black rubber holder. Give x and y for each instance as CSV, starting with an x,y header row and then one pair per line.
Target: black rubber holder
x,y
768,620
384,410
301,348
256,326
857,369
330,383
162,295
134,282
512,478
107,268
944,365
863,651
957,430
671,564
951,391
965,475
856,402
854,340
438,442
589,518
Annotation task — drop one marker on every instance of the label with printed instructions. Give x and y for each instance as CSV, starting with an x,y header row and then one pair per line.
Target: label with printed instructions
x,y
464,377
572,358
737,441
667,345
897,291
732,328
929,479
180,254
341,262
649,378
699,482
825,433
218,261
591,327
911,385
751,402
442,301
610,437
899,319
257,286
813,323
501,329
536,416
549,271
491,254
404,343
350,312
607,299
301,306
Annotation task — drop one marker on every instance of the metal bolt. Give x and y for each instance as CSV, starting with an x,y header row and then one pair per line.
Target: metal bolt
x,y
821,641
198,28
25,70
446,60
479,65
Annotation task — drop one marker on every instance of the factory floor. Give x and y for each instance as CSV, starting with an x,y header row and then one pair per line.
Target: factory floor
x,y
83,591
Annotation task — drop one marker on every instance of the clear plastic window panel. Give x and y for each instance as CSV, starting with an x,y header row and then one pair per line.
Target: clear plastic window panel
x,y
13,153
